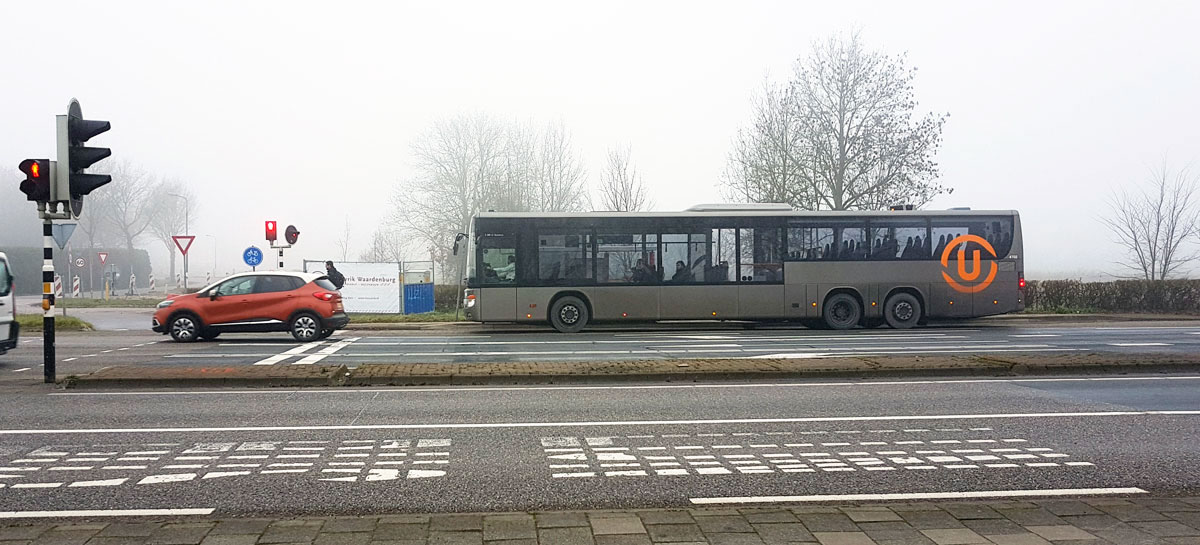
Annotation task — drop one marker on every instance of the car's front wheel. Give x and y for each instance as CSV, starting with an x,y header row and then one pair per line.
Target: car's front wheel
x,y
184,328
305,327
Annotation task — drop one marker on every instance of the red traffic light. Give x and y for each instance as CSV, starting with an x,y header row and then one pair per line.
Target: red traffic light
x,y
272,233
34,186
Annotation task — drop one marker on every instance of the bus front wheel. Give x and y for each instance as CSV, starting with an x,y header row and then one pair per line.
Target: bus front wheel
x,y
902,311
842,311
568,315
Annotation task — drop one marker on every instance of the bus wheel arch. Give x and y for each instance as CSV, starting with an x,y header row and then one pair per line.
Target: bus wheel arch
x,y
569,311
904,308
843,308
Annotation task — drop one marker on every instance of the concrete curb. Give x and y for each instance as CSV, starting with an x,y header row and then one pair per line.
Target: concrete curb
x,y
710,370
708,324
132,376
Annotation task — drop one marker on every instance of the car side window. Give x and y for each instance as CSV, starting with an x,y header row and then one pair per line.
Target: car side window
x,y
5,284
237,286
296,282
273,284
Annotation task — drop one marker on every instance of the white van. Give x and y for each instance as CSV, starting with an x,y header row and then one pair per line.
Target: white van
x,y
8,307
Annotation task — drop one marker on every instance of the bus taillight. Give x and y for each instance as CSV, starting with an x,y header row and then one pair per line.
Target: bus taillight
x,y
1021,281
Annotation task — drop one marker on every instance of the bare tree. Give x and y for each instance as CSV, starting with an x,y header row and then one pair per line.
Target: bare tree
x,y
621,186
842,135
131,203
170,214
560,183
1157,223
343,243
387,245
458,162
764,165
470,164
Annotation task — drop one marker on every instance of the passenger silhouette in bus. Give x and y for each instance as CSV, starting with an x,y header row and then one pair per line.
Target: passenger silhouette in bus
x,y
682,274
642,273
937,252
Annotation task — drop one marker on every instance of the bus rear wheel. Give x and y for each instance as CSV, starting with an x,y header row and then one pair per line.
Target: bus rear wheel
x,y
842,311
568,314
902,311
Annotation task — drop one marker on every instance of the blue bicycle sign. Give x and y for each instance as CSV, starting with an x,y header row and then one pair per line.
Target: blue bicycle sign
x,y
252,256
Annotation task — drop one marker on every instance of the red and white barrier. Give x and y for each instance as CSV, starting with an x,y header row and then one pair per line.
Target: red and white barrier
x,y
75,286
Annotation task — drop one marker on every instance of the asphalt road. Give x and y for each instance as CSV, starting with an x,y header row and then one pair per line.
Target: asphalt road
x,y
84,352
373,451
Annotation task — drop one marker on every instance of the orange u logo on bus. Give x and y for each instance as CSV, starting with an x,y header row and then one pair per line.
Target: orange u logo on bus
x,y
967,277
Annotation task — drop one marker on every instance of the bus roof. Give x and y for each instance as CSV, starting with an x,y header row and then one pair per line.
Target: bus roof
x,y
750,214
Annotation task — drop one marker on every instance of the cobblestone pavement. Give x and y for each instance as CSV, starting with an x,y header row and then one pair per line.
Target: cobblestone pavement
x,y
1132,521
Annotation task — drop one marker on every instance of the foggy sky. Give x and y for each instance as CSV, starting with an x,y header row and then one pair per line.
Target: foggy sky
x,y
305,112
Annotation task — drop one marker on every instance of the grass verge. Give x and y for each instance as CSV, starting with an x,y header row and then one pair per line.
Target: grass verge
x,y
33,322
116,302
436,316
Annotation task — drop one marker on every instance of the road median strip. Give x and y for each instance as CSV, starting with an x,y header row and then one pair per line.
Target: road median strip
x,y
422,374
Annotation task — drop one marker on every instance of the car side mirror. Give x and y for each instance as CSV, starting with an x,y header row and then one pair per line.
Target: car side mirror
x,y
212,294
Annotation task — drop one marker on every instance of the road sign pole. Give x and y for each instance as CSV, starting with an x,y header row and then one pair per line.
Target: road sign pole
x,y
49,375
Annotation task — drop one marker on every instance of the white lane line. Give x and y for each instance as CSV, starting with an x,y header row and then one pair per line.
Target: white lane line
x,y
1139,344
105,513
107,482
485,389
922,496
495,425
1029,335
287,354
326,352
21,369
70,359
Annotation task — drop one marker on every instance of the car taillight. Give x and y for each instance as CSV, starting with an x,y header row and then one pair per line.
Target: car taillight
x,y
324,295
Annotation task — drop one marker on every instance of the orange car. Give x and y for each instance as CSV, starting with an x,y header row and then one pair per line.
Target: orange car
x,y
305,304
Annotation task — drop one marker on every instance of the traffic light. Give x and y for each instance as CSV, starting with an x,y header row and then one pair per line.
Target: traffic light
x,y
272,233
291,234
73,183
36,185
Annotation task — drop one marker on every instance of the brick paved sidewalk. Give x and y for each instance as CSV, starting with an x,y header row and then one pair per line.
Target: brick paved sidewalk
x,y
1092,521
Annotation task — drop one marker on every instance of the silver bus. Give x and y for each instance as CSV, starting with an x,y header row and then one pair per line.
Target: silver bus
x,y
744,262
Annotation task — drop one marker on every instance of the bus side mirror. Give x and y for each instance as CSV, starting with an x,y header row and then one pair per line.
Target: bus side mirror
x,y
457,238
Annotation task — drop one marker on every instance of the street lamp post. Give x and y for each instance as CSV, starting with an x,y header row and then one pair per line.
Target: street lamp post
x,y
186,207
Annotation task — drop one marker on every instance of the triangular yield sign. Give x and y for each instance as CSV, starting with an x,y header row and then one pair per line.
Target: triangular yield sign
x,y
183,242
103,257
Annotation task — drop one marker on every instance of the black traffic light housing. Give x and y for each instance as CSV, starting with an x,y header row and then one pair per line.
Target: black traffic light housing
x,y
74,157
291,234
36,185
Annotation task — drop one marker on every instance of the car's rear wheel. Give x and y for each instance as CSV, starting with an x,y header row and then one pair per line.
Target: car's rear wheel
x,y
305,327
184,328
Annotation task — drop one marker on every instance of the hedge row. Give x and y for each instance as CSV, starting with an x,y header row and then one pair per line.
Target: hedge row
x,y
1163,296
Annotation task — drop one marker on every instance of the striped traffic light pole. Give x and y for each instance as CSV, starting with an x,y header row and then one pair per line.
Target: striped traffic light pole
x,y
48,301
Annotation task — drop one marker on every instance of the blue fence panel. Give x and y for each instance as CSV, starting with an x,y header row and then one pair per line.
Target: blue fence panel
x,y
418,298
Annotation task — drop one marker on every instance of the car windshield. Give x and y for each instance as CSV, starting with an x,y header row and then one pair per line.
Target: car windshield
x,y
325,283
